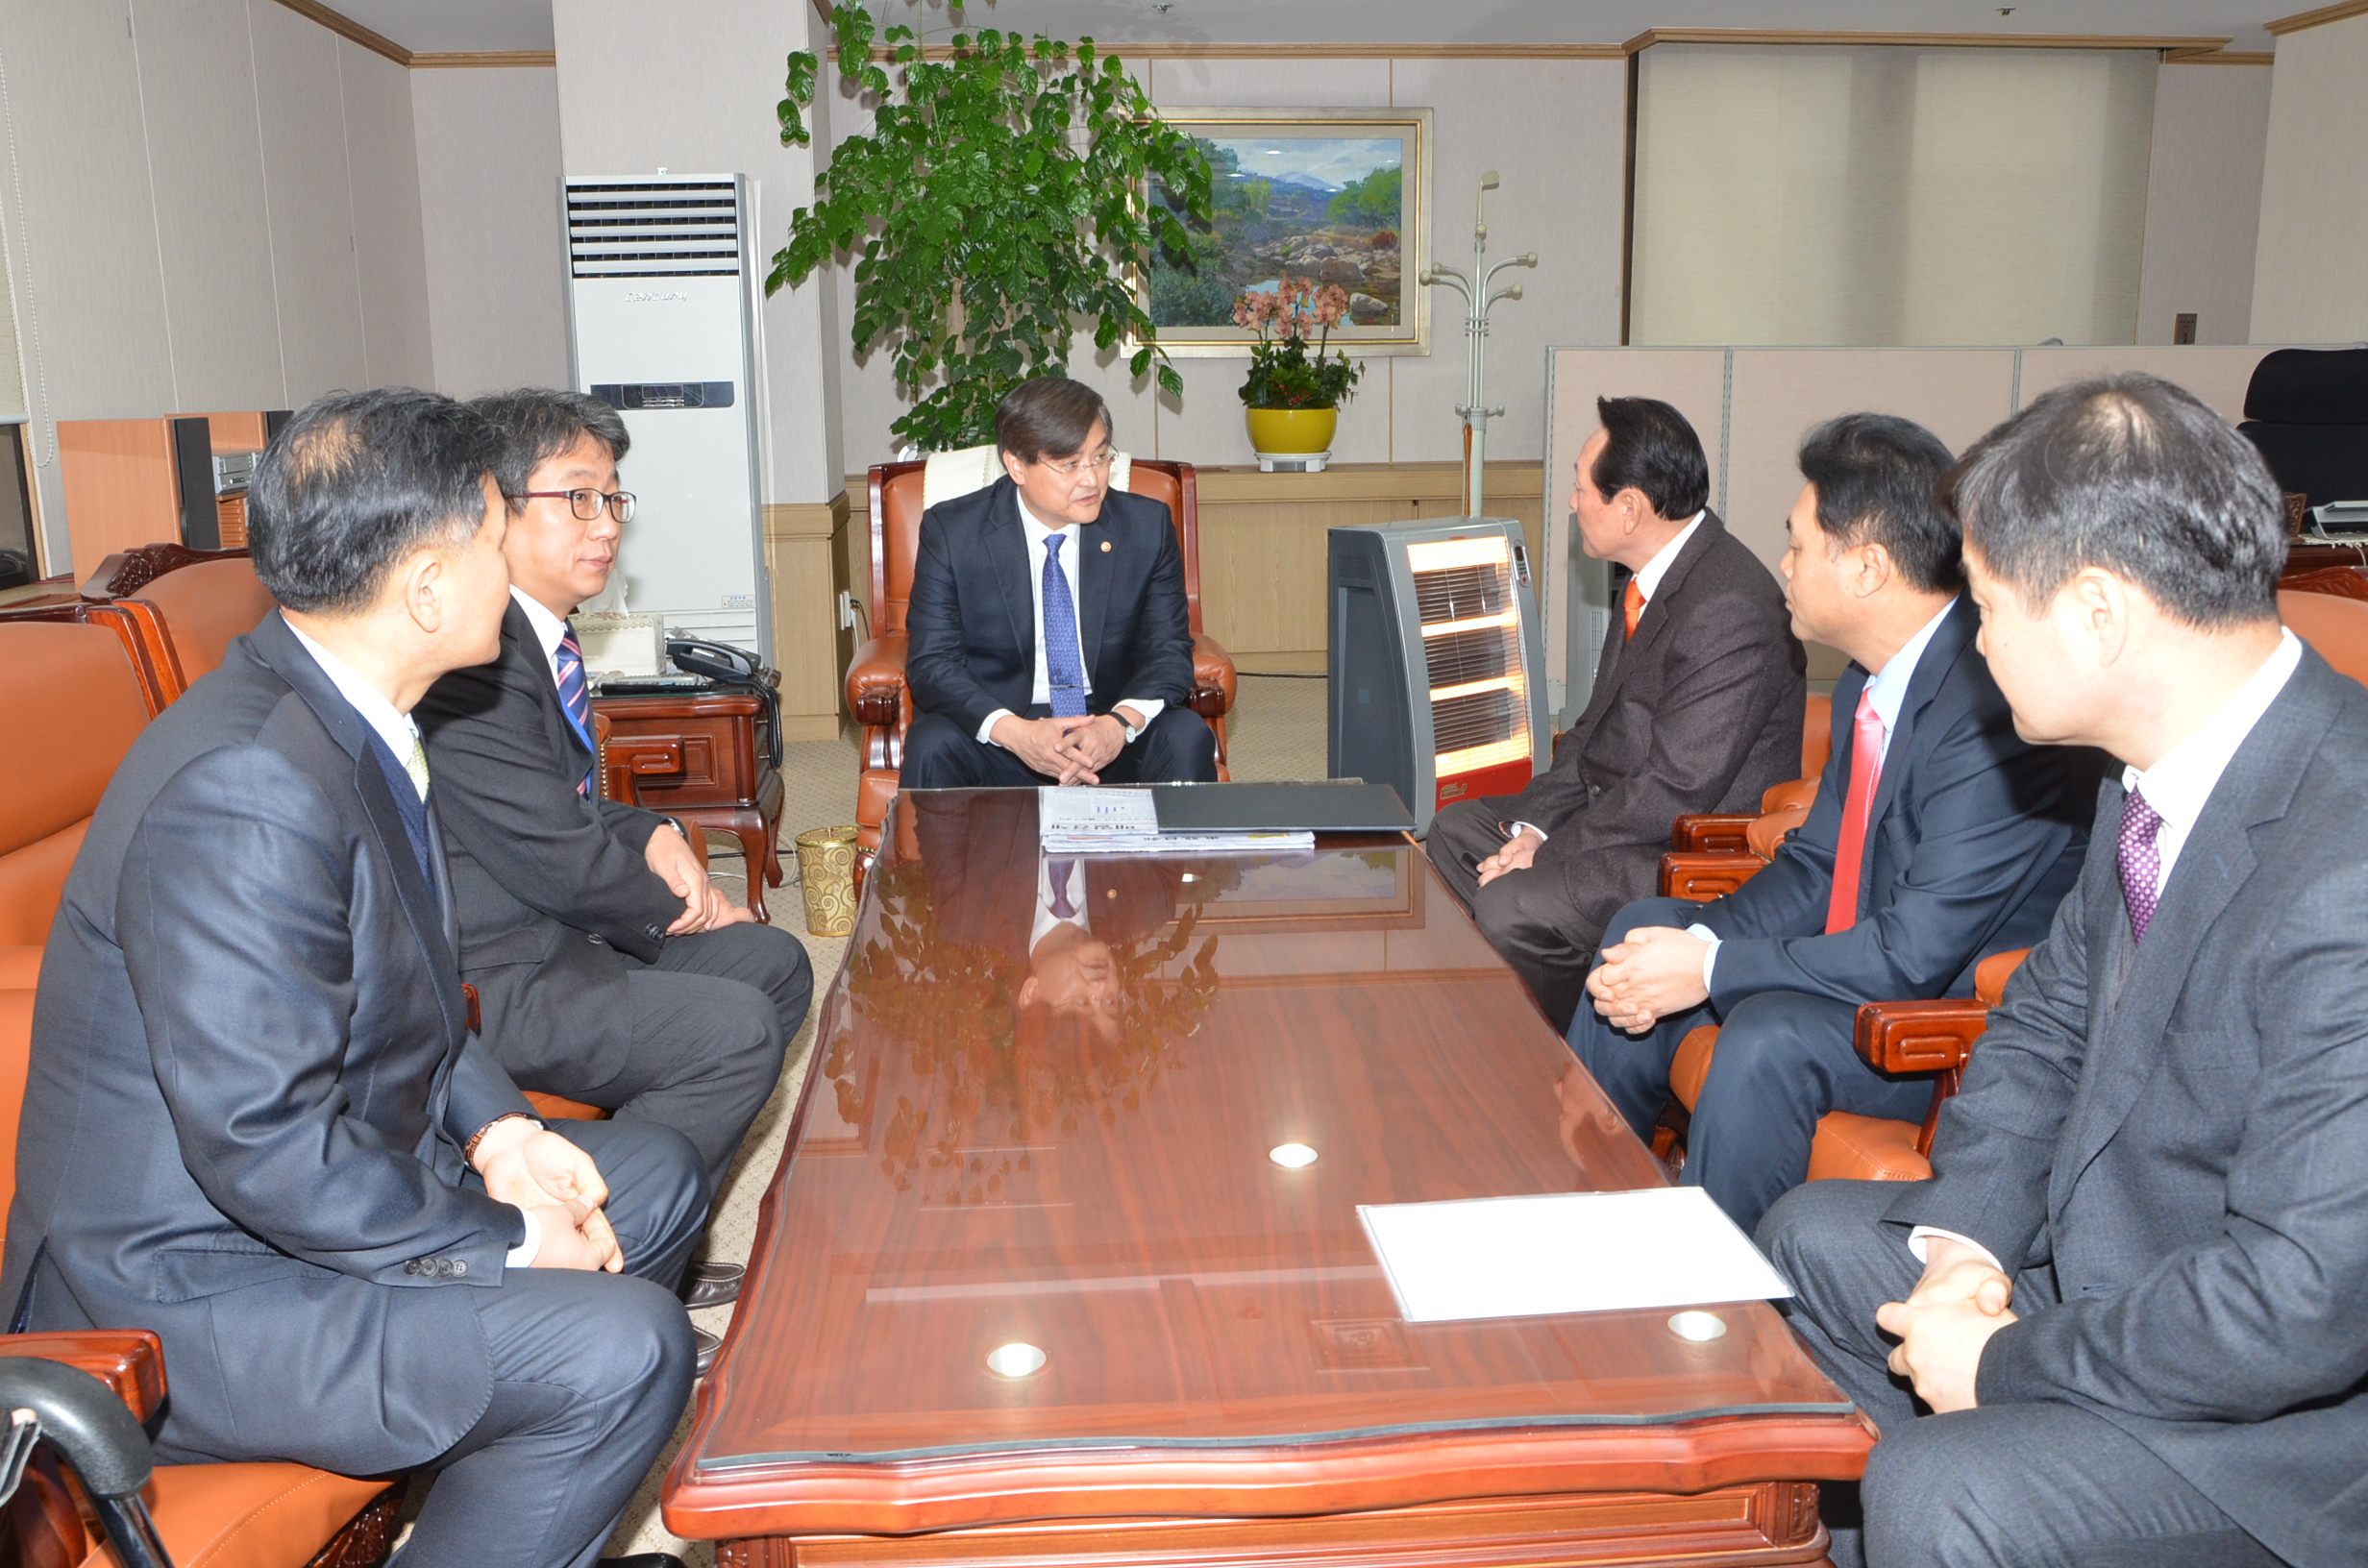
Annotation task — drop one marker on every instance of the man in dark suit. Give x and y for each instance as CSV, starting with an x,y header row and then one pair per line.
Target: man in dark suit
x,y
1937,839
1050,642
2145,1243
1696,707
608,969
256,1122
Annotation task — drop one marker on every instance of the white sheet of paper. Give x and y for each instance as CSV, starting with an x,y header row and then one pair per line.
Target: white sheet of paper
x,y
1085,812
1564,1252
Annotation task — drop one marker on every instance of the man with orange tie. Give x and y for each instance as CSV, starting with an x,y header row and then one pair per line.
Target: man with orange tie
x,y
1939,838
1696,706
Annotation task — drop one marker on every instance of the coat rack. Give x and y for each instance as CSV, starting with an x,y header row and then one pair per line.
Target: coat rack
x,y
1475,411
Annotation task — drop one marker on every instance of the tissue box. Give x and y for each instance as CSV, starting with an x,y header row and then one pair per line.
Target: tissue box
x,y
621,645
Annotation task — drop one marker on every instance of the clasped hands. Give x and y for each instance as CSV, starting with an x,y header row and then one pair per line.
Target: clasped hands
x,y
1655,972
537,1171
1947,1319
1072,750
705,905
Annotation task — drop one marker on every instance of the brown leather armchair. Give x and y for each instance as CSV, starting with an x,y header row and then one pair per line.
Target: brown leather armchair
x,y
188,603
2328,611
81,693
876,690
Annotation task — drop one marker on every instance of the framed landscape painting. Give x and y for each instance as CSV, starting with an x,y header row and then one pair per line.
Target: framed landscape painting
x,y
1332,195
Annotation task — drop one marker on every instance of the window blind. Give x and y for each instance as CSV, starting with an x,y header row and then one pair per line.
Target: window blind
x,y
1889,195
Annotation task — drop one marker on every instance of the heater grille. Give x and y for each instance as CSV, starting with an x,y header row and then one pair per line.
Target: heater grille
x,y
689,229
1471,645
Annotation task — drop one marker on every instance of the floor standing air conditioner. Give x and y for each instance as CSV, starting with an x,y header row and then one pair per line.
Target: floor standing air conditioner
x,y
663,326
1435,660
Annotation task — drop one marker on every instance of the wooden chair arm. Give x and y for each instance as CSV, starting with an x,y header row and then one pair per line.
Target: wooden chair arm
x,y
1701,878
1919,1037
129,1360
1706,832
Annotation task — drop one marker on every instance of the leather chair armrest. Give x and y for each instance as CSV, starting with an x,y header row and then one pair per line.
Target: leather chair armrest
x,y
1703,832
1767,833
1215,682
1919,1037
129,1360
1792,795
876,681
1701,878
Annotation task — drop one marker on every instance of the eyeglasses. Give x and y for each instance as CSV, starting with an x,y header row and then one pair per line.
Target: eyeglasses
x,y
586,504
1072,468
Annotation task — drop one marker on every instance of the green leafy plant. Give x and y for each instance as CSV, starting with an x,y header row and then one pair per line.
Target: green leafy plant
x,y
1000,196
1282,372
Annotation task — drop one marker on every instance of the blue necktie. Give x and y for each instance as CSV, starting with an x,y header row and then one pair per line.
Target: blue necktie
x,y
575,700
1063,668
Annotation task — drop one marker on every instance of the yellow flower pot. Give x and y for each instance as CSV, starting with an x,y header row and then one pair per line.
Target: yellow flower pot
x,y
1291,429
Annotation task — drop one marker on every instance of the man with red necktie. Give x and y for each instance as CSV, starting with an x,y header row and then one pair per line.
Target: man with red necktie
x,y
608,969
1939,838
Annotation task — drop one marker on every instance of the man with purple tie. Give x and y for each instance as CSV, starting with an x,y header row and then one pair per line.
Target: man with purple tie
x,y
1051,640
608,969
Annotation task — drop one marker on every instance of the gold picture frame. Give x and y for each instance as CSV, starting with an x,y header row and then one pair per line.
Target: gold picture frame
x,y
1315,187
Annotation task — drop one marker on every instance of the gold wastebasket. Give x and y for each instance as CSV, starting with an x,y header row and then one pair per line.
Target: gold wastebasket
x,y
827,867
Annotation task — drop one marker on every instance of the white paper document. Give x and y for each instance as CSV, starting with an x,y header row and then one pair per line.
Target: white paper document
x,y
1076,820
1564,1252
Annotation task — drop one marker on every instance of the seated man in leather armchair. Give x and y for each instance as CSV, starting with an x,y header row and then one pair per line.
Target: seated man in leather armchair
x,y
1051,639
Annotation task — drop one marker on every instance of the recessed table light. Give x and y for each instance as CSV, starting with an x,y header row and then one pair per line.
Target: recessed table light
x,y
1015,1361
1699,1327
1292,1156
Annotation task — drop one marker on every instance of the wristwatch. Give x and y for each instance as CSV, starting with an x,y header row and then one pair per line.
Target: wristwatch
x,y
1129,730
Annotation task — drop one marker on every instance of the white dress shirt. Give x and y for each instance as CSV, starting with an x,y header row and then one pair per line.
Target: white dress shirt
x,y
396,729
1046,919
549,628
1037,534
1887,692
1648,583
2177,787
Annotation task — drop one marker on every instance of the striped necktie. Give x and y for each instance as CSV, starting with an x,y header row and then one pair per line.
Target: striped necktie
x,y
577,700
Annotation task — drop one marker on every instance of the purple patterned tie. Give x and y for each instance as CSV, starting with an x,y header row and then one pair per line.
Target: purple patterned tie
x,y
568,658
2141,861
1057,874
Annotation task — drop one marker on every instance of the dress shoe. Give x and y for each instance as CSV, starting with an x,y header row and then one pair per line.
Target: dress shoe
x,y
708,1344
712,1285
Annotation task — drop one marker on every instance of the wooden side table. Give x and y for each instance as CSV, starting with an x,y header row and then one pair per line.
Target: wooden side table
x,y
696,756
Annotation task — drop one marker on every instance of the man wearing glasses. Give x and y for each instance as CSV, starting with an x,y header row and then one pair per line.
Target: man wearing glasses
x,y
1051,640
608,969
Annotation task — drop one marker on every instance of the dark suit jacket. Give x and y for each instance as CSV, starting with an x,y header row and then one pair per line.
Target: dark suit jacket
x,y
972,615
1702,712
1975,837
551,885
2181,1128
250,1085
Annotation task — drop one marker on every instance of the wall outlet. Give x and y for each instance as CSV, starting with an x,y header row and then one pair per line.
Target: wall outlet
x,y
847,610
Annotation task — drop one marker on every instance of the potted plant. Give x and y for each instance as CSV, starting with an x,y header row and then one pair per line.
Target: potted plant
x,y
1292,400
999,199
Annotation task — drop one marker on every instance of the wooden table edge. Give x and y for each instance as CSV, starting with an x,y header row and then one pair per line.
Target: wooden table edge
x,y
914,1496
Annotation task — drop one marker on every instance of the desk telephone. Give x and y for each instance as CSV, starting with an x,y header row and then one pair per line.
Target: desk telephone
x,y
717,661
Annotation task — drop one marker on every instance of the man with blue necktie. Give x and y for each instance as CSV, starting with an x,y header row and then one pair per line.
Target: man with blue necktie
x,y
608,969
1051,639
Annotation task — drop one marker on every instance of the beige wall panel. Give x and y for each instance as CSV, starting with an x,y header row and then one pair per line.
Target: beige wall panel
x,y
2310,284
2217,375
1555,131
496,269
86,248
1778,393
197,79
383,163
301,103
804,642
691,88
2203,200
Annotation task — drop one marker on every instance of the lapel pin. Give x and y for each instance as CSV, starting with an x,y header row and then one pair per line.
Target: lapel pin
x,y
1106,547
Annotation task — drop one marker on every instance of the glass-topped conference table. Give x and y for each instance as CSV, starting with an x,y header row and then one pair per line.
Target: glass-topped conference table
x,y
1047,1274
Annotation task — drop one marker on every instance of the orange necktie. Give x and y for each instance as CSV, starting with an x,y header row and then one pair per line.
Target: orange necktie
x,y
1841,911
1632,605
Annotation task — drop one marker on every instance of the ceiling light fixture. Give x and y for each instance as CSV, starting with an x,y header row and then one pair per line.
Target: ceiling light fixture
x,y
1017,1360
1292,1156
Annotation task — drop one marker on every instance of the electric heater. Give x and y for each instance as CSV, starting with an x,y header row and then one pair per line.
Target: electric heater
x,y
1436,685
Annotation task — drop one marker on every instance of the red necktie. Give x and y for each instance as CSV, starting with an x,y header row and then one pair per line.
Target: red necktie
x,y
1841,911
1632,605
